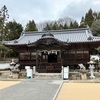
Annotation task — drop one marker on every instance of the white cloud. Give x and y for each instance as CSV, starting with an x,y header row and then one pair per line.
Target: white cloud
x,y
40,10
96,2
79,8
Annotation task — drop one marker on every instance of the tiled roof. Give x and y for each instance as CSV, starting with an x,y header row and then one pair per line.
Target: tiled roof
x,y
69,35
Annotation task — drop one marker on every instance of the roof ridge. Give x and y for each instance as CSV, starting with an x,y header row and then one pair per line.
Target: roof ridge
x,y
75,29
54,31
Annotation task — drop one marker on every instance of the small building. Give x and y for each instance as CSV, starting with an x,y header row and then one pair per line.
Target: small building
x,y
50,50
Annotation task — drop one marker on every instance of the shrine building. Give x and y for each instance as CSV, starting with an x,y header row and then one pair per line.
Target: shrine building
x,y
50,50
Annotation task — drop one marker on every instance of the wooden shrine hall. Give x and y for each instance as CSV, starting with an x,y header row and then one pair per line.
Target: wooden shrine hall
x,y
50,50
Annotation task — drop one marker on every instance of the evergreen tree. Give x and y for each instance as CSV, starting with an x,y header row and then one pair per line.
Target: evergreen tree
x,y
65,26
47,27
13,30
75,24
0,26
95,15
95,28
89,18
55,26
98,15
60,27
31,26
82,23
3,19
71,25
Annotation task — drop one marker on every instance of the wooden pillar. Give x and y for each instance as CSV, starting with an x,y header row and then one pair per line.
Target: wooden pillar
x,y
37,58
60,58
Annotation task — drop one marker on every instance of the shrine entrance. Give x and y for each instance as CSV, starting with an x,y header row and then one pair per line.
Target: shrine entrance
x,y
48,53
52,58
48,61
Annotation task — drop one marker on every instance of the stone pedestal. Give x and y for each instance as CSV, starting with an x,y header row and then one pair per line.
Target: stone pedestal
x,y
15,74
83,74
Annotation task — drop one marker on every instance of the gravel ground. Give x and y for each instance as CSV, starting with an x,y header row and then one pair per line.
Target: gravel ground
x,y
4,84
79,91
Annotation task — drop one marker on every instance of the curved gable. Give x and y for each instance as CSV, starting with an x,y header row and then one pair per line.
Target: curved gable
x,y
47,39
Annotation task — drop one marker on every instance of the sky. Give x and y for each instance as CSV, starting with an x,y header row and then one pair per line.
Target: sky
x,y
47,10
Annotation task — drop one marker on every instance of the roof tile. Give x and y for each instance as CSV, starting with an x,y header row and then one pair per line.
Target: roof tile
x,y
69,35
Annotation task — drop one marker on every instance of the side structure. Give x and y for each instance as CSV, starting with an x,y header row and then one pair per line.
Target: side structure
x,y
49,50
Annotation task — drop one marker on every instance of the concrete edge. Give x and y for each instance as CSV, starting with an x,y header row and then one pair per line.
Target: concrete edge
x,y
84,81
54,98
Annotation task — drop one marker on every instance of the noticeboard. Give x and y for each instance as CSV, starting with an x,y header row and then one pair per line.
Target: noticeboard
x,y
66,72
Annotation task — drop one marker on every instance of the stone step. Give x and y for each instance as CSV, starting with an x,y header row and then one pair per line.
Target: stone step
x,y
48,75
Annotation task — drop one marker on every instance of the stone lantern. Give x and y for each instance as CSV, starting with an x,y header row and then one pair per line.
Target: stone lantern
x,y
91,67
14,69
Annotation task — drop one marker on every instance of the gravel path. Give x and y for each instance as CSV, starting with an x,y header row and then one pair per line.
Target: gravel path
x,y
31,89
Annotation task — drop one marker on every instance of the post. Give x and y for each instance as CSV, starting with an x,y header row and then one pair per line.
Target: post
x,y
62,72
34,69
37,59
